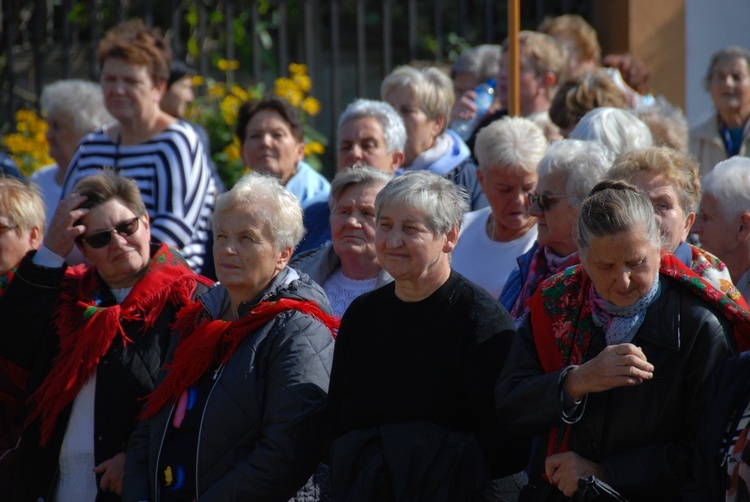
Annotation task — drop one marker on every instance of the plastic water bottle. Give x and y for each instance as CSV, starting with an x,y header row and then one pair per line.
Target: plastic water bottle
x,y
485,96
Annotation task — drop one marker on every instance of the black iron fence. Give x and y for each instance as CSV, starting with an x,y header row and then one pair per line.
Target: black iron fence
x,y
347,45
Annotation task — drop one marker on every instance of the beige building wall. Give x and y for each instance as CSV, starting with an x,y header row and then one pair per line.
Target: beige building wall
x,y
652,31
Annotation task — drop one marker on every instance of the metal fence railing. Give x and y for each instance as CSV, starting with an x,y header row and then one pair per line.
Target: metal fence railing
x,y
348,45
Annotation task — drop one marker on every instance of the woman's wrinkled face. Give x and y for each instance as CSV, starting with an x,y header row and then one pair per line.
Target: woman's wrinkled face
x,y
421,130
245,252
717,233
623,266
62,136
353,221
507,191
130,93
362,140
120,262
556,224
270,146
406,245
730,85
15,243
674,224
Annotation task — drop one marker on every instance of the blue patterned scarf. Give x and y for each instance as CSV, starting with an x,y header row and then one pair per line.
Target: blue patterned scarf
x,y
621,323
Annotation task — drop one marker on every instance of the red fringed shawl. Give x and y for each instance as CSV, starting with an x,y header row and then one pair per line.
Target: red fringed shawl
x,y
562,323
87,330
203,341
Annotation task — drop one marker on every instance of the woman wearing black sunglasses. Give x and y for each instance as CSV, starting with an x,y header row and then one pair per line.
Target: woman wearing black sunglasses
x,y
567,173
93,338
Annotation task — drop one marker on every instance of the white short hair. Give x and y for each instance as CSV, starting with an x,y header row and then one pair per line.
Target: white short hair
x,y
432,88
584,163
82,101
729,184
514,142
617,129
279,208
441,201
394,131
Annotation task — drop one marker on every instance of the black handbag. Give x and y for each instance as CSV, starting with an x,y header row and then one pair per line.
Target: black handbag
x,y
592,489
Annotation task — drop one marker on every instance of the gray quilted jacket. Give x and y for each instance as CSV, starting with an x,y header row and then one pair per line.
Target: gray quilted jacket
x,y
258,438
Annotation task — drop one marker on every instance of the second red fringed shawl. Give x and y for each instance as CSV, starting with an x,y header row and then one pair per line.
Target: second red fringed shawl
x,y
204,341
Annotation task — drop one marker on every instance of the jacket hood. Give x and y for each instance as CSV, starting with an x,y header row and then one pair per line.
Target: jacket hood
x,y
287,284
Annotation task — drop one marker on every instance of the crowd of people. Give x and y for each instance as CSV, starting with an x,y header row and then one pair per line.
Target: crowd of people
x,y
555,309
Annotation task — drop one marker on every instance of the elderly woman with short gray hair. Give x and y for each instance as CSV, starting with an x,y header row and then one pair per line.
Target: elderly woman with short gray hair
x,y
567,173
671,180
347,266
491,238
611,363
724,216
73,108
248,371
727,132
424,98
415,362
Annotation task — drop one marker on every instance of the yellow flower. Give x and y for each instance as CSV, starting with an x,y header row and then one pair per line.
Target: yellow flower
x,y
229,107
228,64
286,89
303,82
311,106
28,145
197,81
25,116
217,90
240,92
232,151
283,87
295,98
314,148
298,69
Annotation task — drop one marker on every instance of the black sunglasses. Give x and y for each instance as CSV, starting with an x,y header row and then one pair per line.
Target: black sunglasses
x,y
101,239
545,200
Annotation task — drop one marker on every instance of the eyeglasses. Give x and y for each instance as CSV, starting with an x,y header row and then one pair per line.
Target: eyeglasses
x,y
545,200
101,239
6,228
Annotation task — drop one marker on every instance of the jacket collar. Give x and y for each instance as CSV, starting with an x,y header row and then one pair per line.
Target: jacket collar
x,y
661,326
216,300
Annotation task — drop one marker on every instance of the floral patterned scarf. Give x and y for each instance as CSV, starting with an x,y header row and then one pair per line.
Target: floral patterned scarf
x,y
562,320
545,263
86,329
715,272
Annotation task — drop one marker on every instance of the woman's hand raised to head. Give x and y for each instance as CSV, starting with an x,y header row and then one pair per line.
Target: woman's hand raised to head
x,y
63,231
616,366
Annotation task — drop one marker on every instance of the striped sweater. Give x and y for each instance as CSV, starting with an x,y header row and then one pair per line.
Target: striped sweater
x,y
173,175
